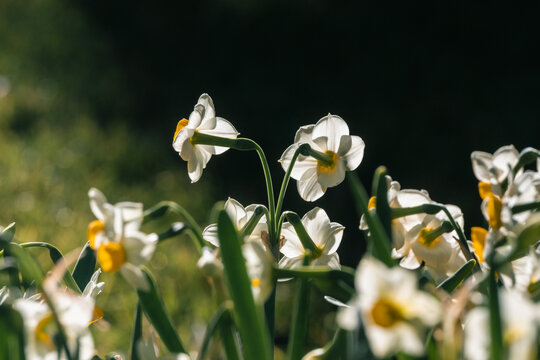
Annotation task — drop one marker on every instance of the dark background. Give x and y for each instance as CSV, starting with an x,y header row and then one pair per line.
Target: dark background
x,y
423,84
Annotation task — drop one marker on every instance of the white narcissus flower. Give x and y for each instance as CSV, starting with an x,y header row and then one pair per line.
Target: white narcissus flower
x,y
202,120
209,262
239,217
519,321
116,237
326,236
395,314
259,269
492,170
329,136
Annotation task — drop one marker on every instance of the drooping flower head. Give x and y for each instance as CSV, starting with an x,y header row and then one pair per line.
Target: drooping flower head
x,y
116,237
202,120
329,137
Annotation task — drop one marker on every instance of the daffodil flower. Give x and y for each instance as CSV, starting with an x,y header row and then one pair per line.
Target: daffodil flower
x,y
492,169
259,269
202,120
337,152
395,314
520,323
75,313
326,236
240,217
116,237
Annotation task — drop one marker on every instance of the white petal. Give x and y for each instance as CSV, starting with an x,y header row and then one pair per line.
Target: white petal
x,y
351,150
292,246
308,186
197,164
209,110
331,261
304,134
98,202
333,127
139,247
223,129
481,163
333,178
290,263
236,212
210,234
302,164
504,159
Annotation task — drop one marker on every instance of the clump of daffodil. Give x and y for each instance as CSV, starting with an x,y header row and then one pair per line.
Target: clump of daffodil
x,y
395,314
519,328
116,237
240,217
202,120
75,314
325,235
333,152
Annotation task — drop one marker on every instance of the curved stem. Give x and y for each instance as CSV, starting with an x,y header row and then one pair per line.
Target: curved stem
x,y
302,149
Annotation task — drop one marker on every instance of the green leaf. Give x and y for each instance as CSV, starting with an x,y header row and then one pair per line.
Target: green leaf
x,y
495,322
137,332
248,318
11,334
56,256
84,267
222,320
154,308
7,234
28,266
379,241
382,208
461,275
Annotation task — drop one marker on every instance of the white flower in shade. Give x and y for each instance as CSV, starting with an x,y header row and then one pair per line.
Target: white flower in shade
x,y
326,236
492,170
395,314
519,322
440,252
116,237
239,217
329,136
202,120
259,269
209,262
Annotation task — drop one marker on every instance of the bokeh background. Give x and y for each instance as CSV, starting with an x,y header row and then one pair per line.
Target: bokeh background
x,y
90,93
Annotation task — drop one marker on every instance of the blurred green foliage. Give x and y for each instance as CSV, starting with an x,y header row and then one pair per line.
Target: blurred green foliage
x,y
65,127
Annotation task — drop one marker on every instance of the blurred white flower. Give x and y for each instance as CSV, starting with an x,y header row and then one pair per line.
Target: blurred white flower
x,y
492,170
116,237
330,137
209,262
395,314
326,236
259,269
203,120
239,217
519,320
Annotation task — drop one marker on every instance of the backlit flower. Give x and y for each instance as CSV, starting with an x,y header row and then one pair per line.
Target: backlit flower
x,y
395,314
326,236
329,137
239,217
202,120
116,237
259,269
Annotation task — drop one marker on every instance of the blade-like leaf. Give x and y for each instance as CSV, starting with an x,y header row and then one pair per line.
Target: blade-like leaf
x,y
137,332
154,308
249,320
11,334
84,267
461,275
380,189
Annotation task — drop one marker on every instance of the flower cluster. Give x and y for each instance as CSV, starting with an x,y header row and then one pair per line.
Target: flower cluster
x,y
422,288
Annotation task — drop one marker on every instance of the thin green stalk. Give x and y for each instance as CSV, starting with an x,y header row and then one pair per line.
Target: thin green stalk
x,y
303,149
137,332
254,220
164,206
304,237
299,328
495,323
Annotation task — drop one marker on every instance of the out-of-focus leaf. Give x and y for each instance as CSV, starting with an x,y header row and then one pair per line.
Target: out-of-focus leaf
x,y
84,267
137,332
382,208
11,334
154,308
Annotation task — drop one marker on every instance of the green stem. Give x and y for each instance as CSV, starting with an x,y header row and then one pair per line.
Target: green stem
x,y
524,207
253,221
300,318
326,159
303,149
495,319
164,206
137,332
304,237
